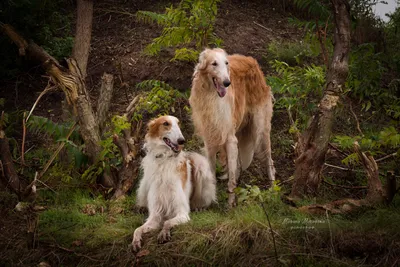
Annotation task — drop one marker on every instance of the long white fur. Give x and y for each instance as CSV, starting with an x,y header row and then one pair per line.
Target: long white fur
x,y
161,189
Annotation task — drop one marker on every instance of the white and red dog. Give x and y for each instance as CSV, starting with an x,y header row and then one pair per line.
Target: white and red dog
x,y
232,111
173,182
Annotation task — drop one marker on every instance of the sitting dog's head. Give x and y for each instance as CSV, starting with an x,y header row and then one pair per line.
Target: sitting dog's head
x,y
164,132
214,63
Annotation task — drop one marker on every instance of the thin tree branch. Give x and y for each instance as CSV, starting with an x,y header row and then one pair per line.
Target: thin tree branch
x,y
386,157
355,117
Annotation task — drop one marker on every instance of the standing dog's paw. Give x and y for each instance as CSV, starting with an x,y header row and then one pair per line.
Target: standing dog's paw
x,y
164,236
231,200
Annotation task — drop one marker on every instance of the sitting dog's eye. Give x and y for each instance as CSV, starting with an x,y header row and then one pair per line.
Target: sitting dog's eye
x,y
214,63
226,63
165,123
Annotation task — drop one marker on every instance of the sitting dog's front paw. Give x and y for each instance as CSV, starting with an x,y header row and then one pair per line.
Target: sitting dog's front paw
x,y
164,236
136,245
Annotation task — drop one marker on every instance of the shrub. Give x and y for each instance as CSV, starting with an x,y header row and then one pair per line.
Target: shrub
x,y
192,21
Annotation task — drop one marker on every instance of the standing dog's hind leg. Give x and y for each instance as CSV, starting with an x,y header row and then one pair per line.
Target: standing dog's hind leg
x,y
233,167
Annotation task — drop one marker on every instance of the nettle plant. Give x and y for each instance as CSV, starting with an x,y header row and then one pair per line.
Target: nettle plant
x,y
191,22
377,144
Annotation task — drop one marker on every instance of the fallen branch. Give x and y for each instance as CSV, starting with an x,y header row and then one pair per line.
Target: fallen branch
x,y
386,157
265,28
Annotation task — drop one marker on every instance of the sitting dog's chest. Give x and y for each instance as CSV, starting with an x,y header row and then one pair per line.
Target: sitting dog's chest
x,y
167,173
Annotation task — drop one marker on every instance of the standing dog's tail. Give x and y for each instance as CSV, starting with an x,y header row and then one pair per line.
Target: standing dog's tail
x,y
203,182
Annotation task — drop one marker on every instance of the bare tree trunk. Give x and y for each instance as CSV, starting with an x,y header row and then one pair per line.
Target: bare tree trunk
x,y
81,49
314,141
104,101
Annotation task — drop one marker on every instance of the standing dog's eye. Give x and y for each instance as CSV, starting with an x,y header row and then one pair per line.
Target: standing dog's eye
x,y
214,64
226,63
165,123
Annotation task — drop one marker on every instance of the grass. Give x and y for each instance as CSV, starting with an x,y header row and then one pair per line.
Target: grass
x,y
89,231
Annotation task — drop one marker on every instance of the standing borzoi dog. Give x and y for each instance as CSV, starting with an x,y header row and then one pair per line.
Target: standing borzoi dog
x,y
232,111
173,182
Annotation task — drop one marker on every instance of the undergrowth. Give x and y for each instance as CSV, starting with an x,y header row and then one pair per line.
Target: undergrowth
x,y
87,225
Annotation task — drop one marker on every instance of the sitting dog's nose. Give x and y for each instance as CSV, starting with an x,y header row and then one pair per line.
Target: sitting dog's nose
x,y
181,141
227,83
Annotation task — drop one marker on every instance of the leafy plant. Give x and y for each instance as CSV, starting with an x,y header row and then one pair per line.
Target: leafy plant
x,y
252,193
59,131
109,157
296,88
386,141
293,53
192,21
161,99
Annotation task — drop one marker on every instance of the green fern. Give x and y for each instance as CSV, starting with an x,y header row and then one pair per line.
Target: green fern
x,y
316,8
150,84
186,54
191,22
59,132
38,124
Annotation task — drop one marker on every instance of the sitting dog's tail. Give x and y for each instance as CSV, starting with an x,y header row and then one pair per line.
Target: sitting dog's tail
x,y
203,181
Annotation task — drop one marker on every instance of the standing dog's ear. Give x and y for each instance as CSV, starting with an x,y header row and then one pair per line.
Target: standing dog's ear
x,y
202,60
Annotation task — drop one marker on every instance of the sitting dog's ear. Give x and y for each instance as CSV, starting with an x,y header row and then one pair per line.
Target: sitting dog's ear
x,y
150,124
203,60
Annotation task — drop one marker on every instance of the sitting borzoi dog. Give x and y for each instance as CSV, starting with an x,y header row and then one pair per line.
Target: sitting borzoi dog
x,y
173,182
232,111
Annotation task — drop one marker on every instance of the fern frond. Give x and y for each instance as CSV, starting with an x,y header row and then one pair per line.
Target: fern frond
x,y
58,131
186,54
149,84
151,17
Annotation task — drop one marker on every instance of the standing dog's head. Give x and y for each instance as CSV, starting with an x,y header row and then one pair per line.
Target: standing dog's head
x,y
214,63
164,132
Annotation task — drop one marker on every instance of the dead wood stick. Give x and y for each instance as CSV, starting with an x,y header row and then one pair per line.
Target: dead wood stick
x,y
386,157
356,119
265,28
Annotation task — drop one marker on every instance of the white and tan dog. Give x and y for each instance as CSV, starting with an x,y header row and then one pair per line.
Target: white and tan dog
x,y
232,111
173,182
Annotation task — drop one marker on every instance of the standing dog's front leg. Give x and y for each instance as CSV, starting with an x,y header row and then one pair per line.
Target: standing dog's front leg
x,y
211,151
233,167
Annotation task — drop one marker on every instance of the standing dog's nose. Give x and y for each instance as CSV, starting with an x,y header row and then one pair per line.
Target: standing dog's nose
x,y
181,141
227,83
